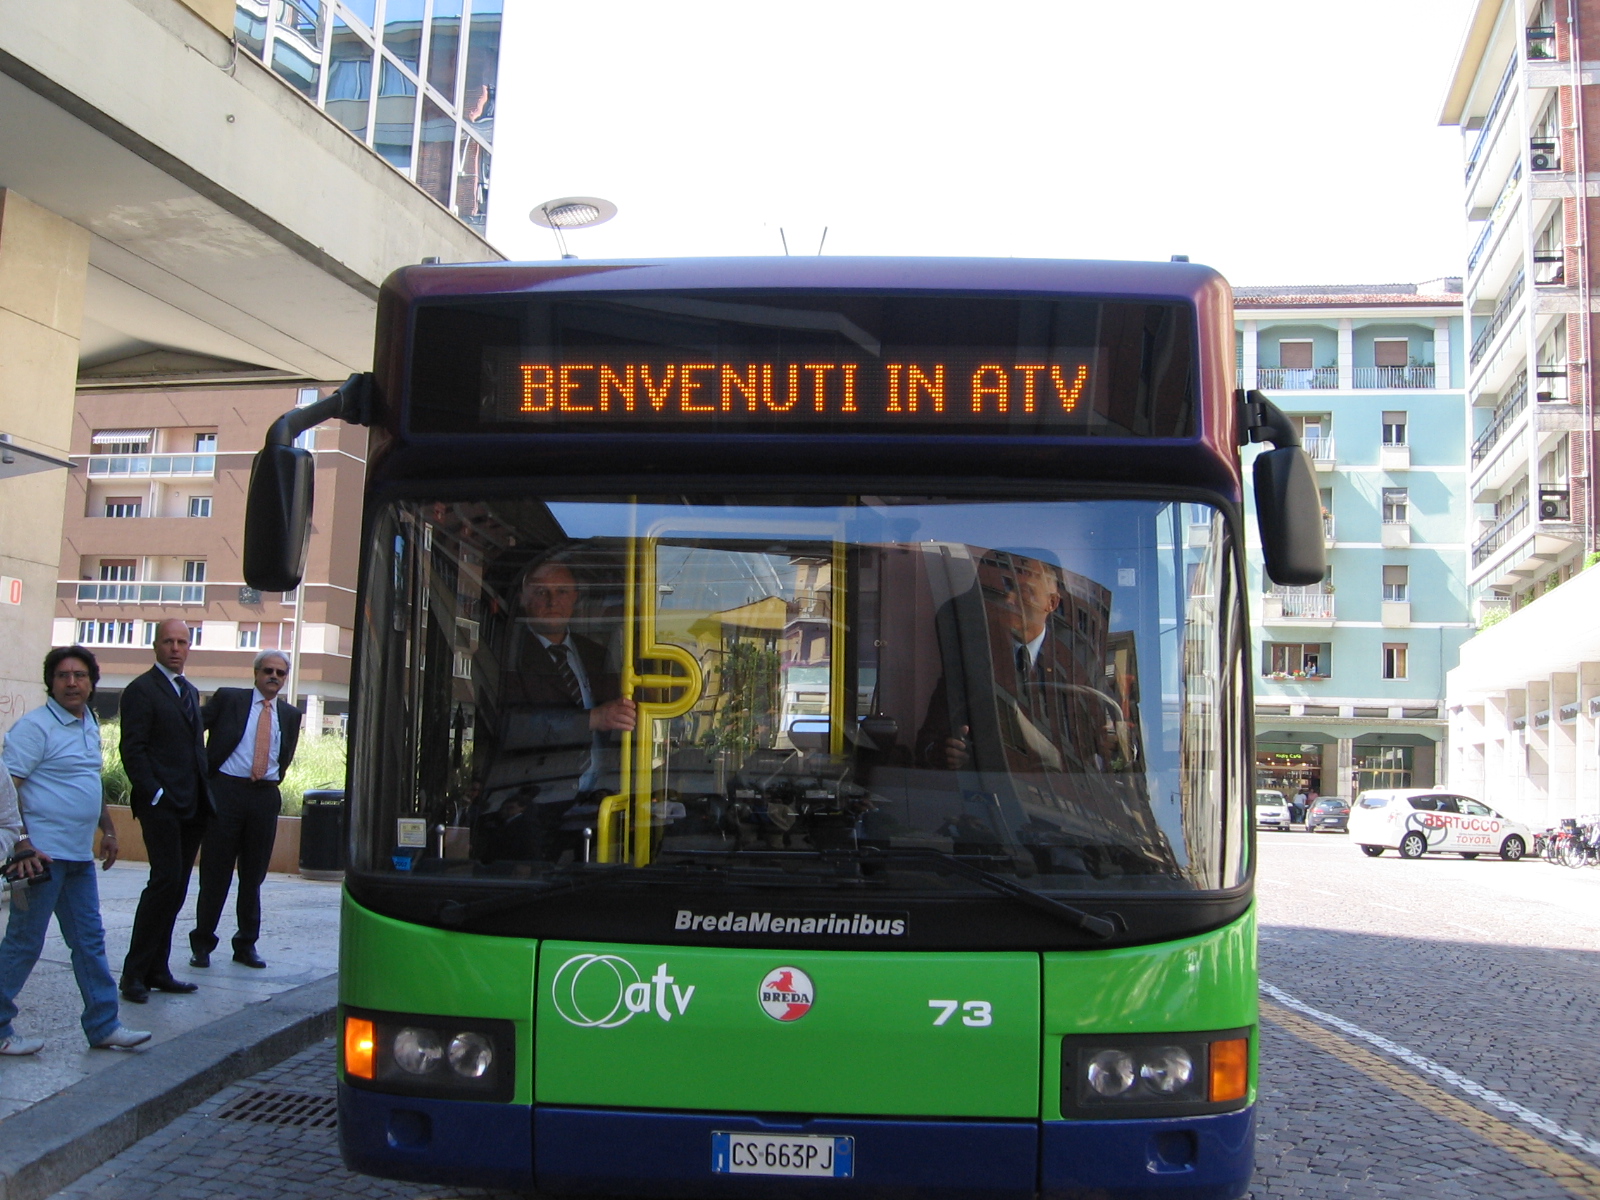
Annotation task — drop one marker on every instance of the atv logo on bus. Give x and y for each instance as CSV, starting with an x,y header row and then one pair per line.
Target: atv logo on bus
x,y
603,991
786,993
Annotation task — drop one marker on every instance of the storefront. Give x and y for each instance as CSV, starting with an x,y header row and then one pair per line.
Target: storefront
x,y
1290,767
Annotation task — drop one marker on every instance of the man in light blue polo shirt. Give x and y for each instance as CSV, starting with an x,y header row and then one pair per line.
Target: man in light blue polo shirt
x,y
53,756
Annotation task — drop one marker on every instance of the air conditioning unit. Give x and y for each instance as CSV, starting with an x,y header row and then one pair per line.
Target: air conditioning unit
x,y
1554,505
1543,156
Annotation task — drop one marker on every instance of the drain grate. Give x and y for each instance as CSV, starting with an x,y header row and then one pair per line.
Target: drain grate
x,y
297,1109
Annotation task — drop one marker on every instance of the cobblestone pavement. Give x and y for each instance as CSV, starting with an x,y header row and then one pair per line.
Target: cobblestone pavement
x,y
1490,970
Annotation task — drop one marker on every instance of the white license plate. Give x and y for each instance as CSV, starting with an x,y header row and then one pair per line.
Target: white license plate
x,y
793,1154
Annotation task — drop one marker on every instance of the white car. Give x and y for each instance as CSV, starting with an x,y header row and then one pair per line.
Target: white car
x,y
1272,810
1418,821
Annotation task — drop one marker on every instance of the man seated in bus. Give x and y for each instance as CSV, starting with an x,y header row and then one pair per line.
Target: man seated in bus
x,y
557,702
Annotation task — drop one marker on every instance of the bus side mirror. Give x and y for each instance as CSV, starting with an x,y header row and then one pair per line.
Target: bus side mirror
x,y
277,518
1289,512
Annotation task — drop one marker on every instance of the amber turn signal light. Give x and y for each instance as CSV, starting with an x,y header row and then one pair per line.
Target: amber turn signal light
x,y
1230,1070
359,1040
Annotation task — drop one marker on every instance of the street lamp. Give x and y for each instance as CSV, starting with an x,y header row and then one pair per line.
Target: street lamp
x,y
571,212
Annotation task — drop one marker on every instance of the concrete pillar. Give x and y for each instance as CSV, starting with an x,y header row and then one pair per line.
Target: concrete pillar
x,y
44,263
1347,354
1347,769
313,723
1252,355
1586,749
1441,352
1561,738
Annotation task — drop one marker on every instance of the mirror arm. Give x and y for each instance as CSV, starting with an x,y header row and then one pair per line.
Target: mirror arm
x,y
350,402
1260,420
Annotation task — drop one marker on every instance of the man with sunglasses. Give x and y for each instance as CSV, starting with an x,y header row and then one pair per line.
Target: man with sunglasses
x,y
251,739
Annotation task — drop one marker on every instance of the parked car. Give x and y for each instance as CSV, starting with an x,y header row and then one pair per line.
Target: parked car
x,y
1272,810
1418,821
1329,812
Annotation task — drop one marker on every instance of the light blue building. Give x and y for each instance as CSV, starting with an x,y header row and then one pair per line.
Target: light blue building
x,y
1351,672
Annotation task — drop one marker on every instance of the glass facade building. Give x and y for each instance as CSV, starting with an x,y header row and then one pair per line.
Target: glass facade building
x,y
415,80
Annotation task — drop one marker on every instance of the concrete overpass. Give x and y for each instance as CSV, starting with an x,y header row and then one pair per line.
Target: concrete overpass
x,y
170,212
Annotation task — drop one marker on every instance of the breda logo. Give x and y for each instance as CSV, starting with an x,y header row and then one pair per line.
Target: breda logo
x,y
787,994
603,991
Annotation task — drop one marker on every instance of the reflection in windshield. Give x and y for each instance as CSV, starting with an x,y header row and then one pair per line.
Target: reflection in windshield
x,y
1034,688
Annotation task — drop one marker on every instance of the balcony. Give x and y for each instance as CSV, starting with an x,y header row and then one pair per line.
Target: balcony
x,y
1327,530
1510,408
1297,606
1502,310
1541,43
1321,451
152,466
1394,457
1490,117
1549,269
1394,377
1297,379
1396,613
141,593
1513,523
1396,534
1544,154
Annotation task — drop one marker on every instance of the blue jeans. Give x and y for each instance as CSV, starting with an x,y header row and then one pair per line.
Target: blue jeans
x,y
73,896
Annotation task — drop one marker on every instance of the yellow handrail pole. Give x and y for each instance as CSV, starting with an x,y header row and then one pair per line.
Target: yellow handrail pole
x,y
611,805
836,650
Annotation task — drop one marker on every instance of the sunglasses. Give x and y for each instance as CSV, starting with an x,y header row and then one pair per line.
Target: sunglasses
x,y
276,672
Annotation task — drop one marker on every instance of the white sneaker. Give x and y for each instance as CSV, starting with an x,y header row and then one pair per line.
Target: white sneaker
x,y
122,1038
20,1045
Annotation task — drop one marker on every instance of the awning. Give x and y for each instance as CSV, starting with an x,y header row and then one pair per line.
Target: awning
x,y
109,436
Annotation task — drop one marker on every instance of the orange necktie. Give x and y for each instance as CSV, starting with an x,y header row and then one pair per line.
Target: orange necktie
x,y
258,765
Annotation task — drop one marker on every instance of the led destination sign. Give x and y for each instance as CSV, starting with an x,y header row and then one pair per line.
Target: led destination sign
x,y
926,390
803,362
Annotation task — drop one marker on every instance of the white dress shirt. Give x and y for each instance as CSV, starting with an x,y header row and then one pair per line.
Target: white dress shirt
x,y
243,758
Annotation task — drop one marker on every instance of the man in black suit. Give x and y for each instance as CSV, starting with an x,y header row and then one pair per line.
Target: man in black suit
x,y
164,753
252,739
558,701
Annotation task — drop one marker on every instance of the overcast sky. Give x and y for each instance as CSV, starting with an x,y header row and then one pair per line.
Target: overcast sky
x,y
1280,141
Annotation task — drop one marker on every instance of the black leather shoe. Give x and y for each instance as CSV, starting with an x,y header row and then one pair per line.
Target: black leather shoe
x,y
178,986
135,993
199,959
248,958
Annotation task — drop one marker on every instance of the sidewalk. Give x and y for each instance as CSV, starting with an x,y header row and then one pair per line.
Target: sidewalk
x,y
299,941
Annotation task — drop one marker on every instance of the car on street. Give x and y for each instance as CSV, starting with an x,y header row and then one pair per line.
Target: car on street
x,y
1418,821
1329,812
1272,810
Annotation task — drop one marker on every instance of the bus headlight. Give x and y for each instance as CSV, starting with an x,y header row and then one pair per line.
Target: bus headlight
x,y
412,1054
1155,1075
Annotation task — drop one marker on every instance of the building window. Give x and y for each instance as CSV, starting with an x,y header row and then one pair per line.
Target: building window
x,y
1397,584
1396,506
1295,660
1394,660
194,571
199,506
249,635
205,443
1391,352
105,633
1394,429
1296,354
123,506
118,569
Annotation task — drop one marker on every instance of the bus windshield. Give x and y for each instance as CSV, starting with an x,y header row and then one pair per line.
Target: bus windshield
x,y
803,687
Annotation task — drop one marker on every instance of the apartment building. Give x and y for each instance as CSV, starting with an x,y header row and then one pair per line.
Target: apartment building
x,y
155,511
1523,703
1351,671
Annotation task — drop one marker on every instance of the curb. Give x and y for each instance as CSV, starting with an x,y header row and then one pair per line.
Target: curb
x,y
47,1146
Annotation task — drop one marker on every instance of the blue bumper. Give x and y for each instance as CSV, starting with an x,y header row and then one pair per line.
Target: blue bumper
x,y
614,1152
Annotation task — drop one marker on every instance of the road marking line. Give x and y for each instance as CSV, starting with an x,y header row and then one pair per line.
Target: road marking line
x,y
1422,1063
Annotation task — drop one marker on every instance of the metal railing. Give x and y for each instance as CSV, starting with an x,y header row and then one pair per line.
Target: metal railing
x,y
1308,604
1487,237
1297,379
1394,377
1327,528
1513,523
1319,448
1489,117
141,593
113,466
1516,400
1480,344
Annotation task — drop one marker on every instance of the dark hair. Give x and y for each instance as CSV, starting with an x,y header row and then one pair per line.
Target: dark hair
x,y
60,653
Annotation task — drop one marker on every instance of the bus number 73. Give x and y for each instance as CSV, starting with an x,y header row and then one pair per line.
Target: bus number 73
x,y
976,1013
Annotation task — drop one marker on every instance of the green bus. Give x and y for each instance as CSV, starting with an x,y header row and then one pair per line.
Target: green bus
x,y
801,733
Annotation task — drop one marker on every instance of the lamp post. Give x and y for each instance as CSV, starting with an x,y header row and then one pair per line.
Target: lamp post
x,y
571,212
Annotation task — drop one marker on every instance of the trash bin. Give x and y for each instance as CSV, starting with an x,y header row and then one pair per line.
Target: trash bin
x,y
322,834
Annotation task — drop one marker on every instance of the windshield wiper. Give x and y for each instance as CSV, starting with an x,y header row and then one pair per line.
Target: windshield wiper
x,y
940,860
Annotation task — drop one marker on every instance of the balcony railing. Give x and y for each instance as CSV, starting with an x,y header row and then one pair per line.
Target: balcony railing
x,y
141,593
1549,269
1327,528
1541,43
1480,344
1297,379
1513,523
1489,117
116,466
1314,605
1394,377
1516,400
1319,448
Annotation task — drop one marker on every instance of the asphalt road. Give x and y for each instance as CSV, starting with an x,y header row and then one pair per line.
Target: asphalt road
x,y
1430,1029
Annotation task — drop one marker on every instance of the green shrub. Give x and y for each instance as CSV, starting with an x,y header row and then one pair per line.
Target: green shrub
x,y
318,762
1494,616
